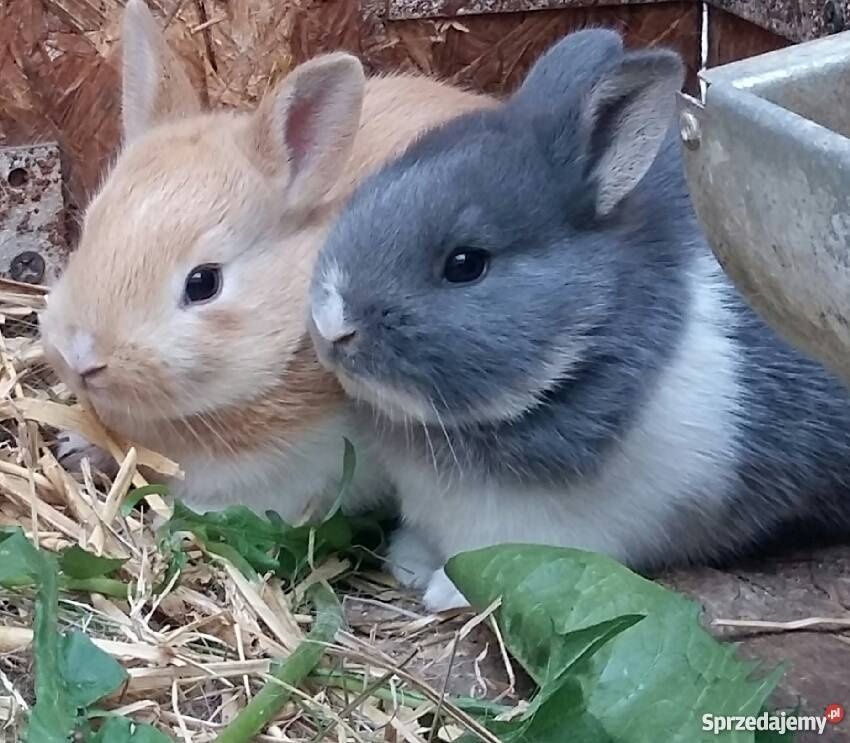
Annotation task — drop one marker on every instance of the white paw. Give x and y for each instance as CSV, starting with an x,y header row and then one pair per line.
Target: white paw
x,y
411,560
72,448
442,594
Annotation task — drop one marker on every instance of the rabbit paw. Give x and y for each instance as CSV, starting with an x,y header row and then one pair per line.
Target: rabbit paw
x,y
442,594
411,560
72,448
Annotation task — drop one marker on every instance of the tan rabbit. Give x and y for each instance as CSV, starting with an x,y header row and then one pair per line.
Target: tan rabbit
x,y
181,316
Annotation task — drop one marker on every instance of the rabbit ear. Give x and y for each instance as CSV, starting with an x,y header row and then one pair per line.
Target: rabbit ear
x,y
567,68
625,119
155,86
304,130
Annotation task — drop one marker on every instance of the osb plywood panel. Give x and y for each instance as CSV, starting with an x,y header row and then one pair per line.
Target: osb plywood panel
x,y
398,10
797,20
249,44
60,80
493,52
59,58
731,38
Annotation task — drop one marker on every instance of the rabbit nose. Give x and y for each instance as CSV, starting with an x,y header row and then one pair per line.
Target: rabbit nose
x,y
329,319
344,339
82,357
340,339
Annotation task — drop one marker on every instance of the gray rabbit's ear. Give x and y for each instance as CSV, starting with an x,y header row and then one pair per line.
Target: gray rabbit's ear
x,y
625,119
569,67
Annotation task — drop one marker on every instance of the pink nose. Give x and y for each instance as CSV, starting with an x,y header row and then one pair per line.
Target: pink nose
x,y
82,357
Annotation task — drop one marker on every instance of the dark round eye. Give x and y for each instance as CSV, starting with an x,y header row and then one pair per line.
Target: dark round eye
x,y
465,265
202,284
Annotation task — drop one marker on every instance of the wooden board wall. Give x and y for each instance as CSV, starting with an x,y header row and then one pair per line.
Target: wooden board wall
x,y
731,38
58,58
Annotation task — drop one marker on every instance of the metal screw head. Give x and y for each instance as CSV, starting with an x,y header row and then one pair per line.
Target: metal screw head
x,y
27,267
689,130
17,177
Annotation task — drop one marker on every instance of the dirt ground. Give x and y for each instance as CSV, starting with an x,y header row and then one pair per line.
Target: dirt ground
x,y
806,585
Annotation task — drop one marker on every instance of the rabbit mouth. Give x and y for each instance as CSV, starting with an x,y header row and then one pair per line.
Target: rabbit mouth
x,y
394,404
404,407
125,413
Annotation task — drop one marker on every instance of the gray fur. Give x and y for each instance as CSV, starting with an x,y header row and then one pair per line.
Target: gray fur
x,y
604,299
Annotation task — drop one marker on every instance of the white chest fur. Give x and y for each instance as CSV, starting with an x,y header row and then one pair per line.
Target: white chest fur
x,y
291,478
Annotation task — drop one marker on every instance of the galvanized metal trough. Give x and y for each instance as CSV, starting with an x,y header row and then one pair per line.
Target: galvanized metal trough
x,y
767,157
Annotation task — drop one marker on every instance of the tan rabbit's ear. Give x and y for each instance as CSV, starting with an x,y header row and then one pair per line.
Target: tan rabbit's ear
x,y
303,131
155,86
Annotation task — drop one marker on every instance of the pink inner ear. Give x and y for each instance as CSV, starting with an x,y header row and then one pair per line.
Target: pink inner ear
x,y
301,129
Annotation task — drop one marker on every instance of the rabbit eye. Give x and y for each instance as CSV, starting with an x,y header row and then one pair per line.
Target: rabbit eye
x,y
202,284
465,265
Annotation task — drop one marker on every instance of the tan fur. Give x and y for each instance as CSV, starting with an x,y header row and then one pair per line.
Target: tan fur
x,y
155,92
241,373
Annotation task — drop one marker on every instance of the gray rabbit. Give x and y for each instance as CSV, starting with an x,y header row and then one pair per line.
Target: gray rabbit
x,y
528,314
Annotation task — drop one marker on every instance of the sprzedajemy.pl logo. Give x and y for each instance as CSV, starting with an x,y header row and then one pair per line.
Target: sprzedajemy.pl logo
x,y
778,722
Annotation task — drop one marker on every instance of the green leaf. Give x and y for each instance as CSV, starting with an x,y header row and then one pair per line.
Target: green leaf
x,y
70,672
562,717
50,724
234,558
652,682
53,718
105,586
122,730
256,539
21,564
560,702
256,544
88,673
349,463
175,558
75,562
138,494
770,736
